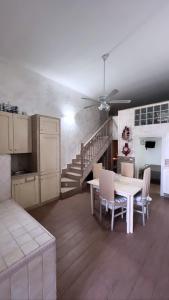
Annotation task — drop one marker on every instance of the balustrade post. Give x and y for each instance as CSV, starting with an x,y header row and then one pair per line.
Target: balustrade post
x,y
82,157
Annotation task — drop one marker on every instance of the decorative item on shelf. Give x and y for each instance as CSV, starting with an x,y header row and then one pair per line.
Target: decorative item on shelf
x,y
126,134
126,150
7,107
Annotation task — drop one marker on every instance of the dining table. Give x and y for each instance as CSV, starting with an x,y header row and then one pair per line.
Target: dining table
x,y
124,186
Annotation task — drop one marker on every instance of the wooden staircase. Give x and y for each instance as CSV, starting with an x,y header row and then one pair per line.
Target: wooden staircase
x,y
74,175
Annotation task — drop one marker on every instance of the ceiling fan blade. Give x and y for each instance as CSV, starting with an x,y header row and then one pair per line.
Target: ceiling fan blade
x,y
119,101
88,98
112,93
90,106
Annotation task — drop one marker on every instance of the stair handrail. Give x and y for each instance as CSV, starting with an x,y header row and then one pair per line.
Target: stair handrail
x,y
87,148
97,131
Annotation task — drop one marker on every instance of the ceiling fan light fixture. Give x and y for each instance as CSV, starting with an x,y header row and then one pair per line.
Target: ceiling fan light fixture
x,y
104,106
107,107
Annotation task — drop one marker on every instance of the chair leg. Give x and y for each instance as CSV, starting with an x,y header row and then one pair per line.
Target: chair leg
x,y
100,211
143,215
122,212
112,219
147,210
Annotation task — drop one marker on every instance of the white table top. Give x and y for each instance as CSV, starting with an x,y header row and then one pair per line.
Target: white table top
x,y
124,186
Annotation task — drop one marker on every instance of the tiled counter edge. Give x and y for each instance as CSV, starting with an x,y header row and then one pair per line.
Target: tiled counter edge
x,y
34,277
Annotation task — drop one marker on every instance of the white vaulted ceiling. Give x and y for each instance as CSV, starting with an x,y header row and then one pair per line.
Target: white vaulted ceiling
x,y
64,40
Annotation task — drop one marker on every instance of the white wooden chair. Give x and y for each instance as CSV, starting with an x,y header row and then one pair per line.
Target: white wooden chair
x,y
107,197
142,200
96,168
127,169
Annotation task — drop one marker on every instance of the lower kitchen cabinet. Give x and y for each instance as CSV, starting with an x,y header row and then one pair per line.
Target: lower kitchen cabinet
x,y
49,186
25,190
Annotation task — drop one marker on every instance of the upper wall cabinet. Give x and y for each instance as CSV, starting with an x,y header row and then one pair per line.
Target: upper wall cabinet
x,y
6,133
15,133
49,125
22,134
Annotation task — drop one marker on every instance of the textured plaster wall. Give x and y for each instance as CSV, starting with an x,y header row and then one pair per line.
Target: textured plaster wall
x,y
35,94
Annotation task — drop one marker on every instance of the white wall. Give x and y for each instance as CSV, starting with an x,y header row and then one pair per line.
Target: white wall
x,y
149,156
35,94
126,118
115,128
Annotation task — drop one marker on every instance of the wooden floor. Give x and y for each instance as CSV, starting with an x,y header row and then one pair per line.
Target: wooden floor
x,y
95,264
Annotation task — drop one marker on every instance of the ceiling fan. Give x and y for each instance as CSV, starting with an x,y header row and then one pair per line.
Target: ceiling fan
x,y
105,100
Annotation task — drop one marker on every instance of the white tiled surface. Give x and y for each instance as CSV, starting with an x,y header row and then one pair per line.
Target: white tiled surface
x,y
20,237
20,233
5,177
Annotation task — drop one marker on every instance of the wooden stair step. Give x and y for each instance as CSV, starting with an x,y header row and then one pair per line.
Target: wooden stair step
x,y
75,170
67,192
72,175
69,182
66,179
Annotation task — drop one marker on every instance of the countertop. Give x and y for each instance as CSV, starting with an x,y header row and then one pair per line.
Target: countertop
x,y
24,175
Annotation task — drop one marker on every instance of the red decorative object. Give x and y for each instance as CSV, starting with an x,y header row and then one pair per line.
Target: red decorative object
x,y
126,150
126,133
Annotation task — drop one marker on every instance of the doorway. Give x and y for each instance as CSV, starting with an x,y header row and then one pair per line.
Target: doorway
x,y
149,152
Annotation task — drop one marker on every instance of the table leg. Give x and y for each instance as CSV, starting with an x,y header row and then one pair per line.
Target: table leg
x,y
131,214
128,214
92,199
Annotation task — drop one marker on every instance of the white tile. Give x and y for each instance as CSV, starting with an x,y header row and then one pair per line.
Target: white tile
x,y
19,285
5,237
8,246
35,278
31,225
18,232
49,272
43,238
2,265
36,232
13,257
5,291
29,247
22,239
14,226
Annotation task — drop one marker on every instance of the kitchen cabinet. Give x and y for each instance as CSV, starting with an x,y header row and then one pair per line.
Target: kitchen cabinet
x,y
6,133
22,134
25,190
46,155
49,153
15,133
49,187
49,125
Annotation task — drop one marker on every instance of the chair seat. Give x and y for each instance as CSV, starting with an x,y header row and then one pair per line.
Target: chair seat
x,y
141,201
118,202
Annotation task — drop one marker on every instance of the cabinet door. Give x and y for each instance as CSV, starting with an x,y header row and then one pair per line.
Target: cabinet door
x,y
22,134
25,191
49,125
50,187
6,133
49,153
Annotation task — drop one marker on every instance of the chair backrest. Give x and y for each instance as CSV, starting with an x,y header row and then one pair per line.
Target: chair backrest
x,y
146,182
106,184
127,169
96,170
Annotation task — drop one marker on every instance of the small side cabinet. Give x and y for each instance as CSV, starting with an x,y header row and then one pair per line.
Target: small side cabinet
x,y
25,190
